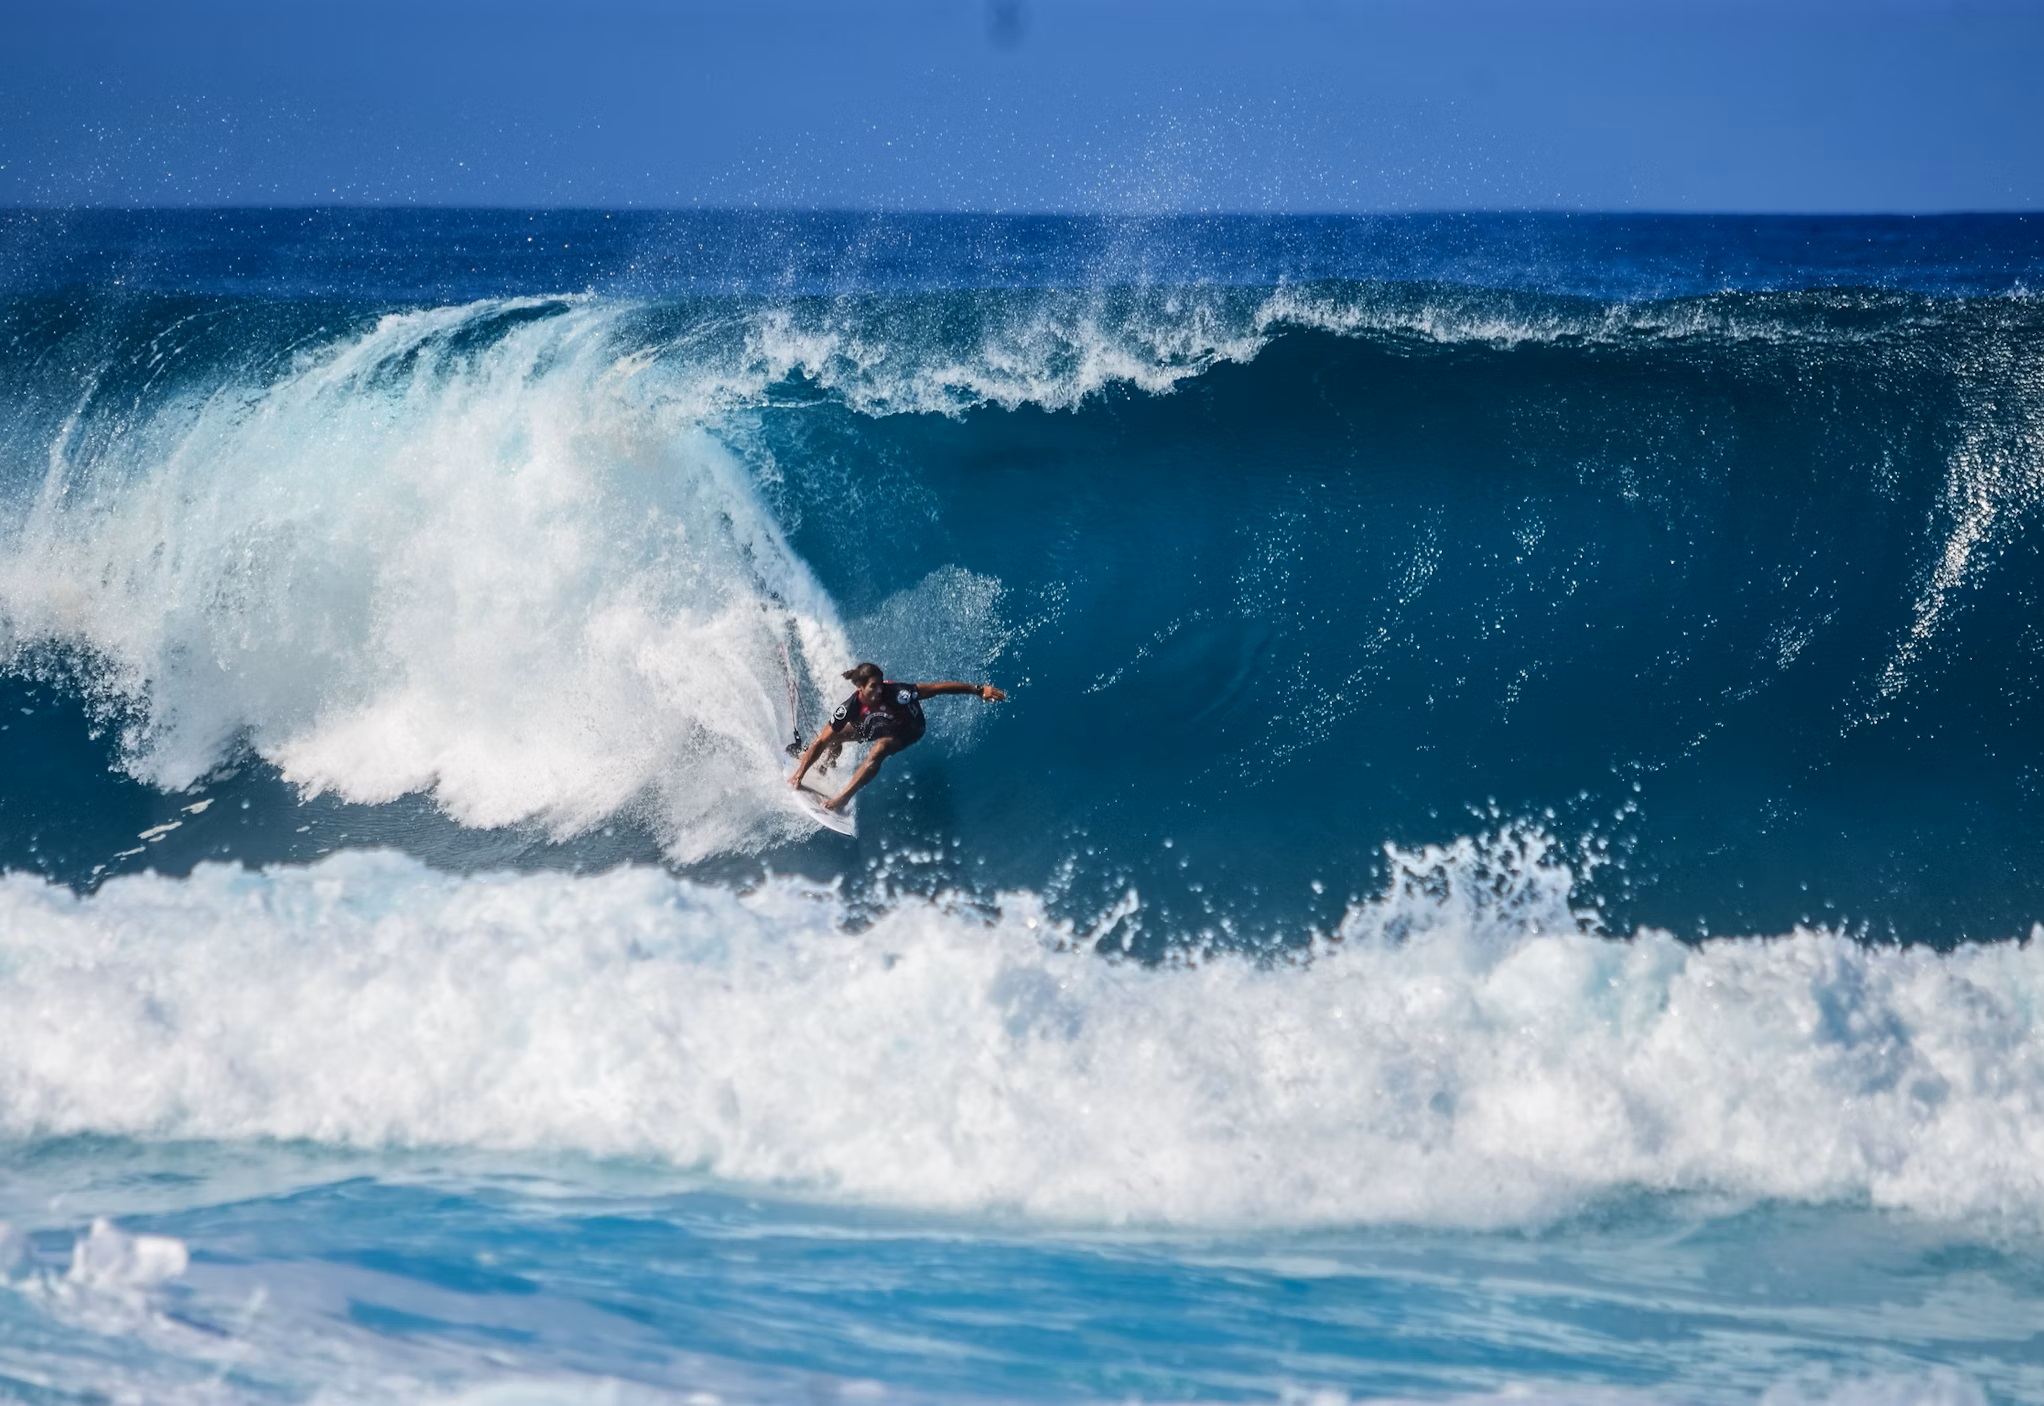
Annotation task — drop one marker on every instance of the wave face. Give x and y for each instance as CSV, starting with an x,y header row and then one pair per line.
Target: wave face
x,y
1733,590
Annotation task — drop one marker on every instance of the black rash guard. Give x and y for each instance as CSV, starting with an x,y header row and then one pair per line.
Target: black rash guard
x,y
898,714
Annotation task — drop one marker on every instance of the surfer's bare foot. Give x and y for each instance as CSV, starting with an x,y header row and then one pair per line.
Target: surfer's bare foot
x,y
834,803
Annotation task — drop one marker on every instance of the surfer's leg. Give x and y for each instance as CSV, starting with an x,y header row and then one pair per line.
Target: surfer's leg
x,y
879,752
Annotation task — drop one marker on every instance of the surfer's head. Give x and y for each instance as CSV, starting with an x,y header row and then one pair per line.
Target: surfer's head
x,y
867,678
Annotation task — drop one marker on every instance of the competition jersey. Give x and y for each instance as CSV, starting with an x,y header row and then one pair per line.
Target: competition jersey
x,y
898,713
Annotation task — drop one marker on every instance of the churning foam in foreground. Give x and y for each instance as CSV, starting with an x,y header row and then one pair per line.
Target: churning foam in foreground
x,y
1463,1054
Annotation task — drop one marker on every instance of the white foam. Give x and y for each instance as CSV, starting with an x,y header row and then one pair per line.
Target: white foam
x,y
1936,1386
1930,1388
1933,1387
109,1260
459,553
1464,1054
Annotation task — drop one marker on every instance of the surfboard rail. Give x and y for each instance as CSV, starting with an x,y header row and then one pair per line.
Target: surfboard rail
x,y
814,792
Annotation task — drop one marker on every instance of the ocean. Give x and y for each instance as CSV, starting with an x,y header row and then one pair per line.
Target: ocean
x,y
1508,870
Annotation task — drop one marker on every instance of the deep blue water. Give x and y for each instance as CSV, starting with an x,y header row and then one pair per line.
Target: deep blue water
x,y
1501,869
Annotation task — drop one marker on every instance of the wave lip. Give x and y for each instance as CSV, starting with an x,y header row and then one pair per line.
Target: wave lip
x,y
1056,349
1463,1053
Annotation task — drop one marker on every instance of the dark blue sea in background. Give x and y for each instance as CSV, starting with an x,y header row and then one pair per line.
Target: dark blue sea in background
x,y
1507,865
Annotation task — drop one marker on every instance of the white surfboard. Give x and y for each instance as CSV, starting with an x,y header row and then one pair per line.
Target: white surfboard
x,y
816,790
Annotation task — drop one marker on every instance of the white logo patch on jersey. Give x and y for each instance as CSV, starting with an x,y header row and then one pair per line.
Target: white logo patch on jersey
x,y
905,696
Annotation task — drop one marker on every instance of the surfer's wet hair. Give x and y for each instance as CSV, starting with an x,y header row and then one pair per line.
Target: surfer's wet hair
x,y
863,674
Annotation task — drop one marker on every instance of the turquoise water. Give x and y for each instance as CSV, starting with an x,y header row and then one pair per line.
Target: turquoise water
x,y
413,1278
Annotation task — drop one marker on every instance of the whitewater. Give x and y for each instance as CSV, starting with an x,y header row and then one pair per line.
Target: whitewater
x,y
1509,868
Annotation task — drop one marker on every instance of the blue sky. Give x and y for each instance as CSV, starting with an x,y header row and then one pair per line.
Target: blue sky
x,y
1129,106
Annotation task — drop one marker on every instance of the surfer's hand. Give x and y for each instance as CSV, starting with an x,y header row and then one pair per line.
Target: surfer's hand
x,y
990,694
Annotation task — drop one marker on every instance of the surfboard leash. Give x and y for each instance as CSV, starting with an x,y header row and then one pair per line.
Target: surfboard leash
x,y
795,748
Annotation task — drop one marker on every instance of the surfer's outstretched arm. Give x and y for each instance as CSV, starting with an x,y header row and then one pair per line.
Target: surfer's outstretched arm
x,y
986,691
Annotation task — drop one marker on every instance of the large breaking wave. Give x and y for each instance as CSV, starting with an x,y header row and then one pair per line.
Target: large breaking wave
x,y
1693,576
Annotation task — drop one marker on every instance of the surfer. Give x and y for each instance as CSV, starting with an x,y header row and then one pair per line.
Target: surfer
x,y
880,711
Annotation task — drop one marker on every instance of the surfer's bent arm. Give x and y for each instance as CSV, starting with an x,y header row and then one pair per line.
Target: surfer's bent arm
x,y
985,691
836,733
